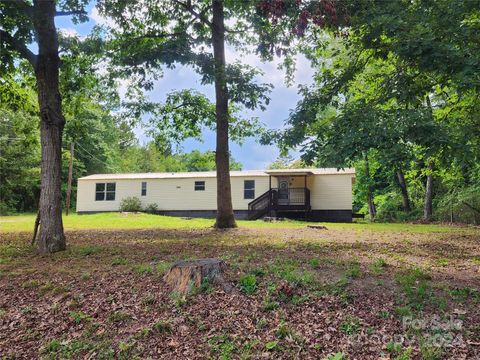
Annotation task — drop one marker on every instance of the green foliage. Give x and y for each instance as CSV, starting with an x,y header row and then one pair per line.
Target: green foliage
x,y
118,316
350,325
162,327
79,316
130,204
399,103
143,268
248,284
414,283
178,299
187,113
290,271
271,345
119,261
353,270
223,345
151,208
19,161
150,158
378,265
86,250
336,356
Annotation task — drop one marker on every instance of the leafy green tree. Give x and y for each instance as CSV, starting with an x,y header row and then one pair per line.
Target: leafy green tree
x,y
19,161
287,162
149,158
23,23
360,103
150,34
440,37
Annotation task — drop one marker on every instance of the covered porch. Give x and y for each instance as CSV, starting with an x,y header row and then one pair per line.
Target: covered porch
x,y
288,192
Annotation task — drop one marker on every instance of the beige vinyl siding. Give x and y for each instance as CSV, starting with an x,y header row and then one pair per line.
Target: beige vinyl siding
x,y
327,192
168,194
330,192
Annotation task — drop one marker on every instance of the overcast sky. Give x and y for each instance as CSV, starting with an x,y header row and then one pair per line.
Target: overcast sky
x,y
251,154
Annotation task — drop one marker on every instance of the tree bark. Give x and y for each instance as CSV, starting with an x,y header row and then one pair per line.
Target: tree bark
x,y
428,208
186,276
225,217
403,188
51,236
371,204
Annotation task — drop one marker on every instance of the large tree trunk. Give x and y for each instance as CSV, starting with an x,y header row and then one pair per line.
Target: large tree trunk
x,y
371,204
403,188
225,218
428,208
51,237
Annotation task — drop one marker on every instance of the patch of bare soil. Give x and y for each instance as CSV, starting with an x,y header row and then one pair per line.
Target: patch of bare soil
x,y
299,293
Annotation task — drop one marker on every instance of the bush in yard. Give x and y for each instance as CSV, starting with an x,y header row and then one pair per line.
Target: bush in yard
x,y
151,208
130,204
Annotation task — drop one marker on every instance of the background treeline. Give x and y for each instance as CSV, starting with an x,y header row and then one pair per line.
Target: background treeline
x,y
396,95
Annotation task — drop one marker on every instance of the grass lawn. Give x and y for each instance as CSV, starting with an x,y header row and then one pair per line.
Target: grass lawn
x,y
21,223
353,291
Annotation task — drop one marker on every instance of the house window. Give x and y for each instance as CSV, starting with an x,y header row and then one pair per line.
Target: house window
x,y
144,188
105,191
199,185
249,189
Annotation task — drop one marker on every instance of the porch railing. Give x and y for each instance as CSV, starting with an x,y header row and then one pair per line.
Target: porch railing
x,y
279,199
293,196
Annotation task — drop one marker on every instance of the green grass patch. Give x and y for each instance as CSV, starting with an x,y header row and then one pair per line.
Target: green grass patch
x,y
464,294
223,346
162,267
378,266
353,270
351,325
87,250
143,268
115,220
119,316
248,284
415,285
79,317
163,327
30,284
118,261
291,271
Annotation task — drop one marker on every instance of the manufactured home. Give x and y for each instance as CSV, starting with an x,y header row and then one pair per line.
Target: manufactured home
x,y
315,194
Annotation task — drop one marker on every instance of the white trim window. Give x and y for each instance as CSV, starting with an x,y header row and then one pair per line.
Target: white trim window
x,y
144,188
199,185
249,189
105,191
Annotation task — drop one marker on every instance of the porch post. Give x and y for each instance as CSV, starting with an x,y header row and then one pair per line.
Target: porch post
x,y
270,195
305,196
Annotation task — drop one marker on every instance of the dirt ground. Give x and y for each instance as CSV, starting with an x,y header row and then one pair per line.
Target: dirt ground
x,y
298,293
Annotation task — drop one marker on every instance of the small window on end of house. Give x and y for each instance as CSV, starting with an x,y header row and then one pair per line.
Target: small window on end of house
x,y
199,185
144,188
249,189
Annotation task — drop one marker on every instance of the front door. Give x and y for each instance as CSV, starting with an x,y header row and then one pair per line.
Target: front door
x,y
283,191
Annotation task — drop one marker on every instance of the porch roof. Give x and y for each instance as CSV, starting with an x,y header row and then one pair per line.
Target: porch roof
x,y
290,172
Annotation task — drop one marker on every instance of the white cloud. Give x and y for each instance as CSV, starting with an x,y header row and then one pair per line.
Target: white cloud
x,y
70,32
100,19
272,73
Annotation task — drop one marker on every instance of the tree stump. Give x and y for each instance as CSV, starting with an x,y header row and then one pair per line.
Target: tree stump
x,y
185,276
